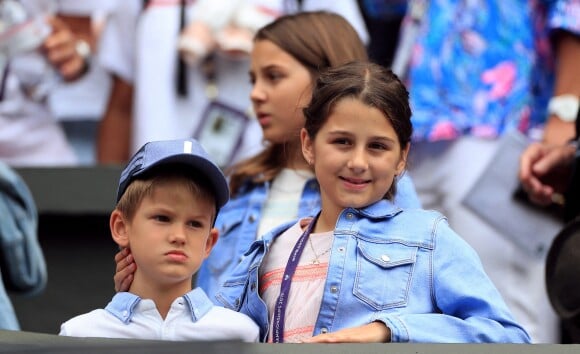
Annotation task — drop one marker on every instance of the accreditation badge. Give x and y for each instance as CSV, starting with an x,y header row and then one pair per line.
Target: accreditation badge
x,y
221,132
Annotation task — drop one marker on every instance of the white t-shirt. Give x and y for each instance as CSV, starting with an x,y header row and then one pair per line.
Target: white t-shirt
x,y
283,199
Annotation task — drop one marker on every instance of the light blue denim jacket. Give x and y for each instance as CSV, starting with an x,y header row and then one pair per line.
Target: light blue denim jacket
x,y
238,223
22,263
405,268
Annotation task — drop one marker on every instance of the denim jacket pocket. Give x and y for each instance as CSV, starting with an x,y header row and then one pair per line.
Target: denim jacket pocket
x,y
232,292
383,274
227,250
228,220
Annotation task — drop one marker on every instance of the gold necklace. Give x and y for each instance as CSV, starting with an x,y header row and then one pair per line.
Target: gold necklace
x,y
316,259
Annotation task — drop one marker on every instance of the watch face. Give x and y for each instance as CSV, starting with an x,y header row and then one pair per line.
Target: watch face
x,y
565,107
83,49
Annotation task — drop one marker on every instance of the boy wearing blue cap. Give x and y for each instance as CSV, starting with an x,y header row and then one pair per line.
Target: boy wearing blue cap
x,y
167,201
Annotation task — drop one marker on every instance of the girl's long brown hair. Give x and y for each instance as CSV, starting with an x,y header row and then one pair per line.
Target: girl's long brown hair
x,y
318,40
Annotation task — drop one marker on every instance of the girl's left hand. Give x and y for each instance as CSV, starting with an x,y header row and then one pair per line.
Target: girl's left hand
x,y
375,332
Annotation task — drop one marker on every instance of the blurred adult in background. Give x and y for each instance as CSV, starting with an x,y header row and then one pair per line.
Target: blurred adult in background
x,y
42,42
22,262
79,105
477,71
549,173
177,74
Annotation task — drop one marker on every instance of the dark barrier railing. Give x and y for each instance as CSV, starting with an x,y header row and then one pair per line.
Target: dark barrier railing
x,y
45,343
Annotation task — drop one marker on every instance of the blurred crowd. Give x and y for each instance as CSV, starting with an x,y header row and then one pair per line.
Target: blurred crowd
x,y
89,82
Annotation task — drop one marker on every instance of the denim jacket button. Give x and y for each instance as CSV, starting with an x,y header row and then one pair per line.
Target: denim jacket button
x,y
334,289
251,218
324,330
341,249
349,216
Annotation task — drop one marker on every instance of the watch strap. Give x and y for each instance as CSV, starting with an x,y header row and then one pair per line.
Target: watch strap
x,y
564,107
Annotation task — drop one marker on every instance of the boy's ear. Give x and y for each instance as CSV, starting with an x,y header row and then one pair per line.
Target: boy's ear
x,y
119,228
211,240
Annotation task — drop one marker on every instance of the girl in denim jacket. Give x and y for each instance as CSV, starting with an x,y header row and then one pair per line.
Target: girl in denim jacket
x,y
277,185
364,269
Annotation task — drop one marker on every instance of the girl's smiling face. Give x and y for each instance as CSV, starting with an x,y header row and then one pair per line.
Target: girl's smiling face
x,y
356,155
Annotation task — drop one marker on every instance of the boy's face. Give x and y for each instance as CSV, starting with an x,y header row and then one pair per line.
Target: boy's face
x,y
170,235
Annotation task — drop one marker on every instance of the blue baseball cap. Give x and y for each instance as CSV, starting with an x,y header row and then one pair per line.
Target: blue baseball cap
x,y
187,152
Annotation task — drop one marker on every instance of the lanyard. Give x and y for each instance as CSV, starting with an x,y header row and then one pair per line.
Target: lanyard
x,y
181,73
282,302
181,86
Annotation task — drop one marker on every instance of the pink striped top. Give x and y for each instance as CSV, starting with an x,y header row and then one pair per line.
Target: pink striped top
x,y
307,284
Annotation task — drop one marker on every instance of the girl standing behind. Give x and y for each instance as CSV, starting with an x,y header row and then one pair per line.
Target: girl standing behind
x,y
278,185
364,269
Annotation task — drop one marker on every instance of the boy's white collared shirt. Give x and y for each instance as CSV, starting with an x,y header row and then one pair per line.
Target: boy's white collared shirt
x,y
191,317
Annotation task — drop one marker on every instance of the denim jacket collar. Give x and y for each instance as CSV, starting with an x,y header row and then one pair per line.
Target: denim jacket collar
x,y
382,209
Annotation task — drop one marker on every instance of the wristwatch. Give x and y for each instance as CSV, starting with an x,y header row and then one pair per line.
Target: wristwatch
x,y
564,107
83,49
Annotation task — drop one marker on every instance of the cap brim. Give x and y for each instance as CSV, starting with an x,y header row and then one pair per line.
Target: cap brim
x,y
202,165
563,271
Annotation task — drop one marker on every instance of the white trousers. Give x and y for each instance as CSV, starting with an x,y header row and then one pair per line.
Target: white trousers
x,y
443,172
